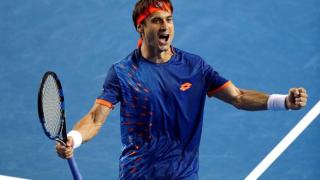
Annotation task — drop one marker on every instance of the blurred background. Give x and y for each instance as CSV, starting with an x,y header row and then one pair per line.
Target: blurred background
x,y
266,45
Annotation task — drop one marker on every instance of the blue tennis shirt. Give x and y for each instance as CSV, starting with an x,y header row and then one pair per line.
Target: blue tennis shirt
x,y
161,113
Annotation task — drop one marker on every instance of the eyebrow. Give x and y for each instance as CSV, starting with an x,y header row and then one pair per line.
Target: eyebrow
x,y
157,16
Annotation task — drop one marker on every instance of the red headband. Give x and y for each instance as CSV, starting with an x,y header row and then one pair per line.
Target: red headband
x,y
155,7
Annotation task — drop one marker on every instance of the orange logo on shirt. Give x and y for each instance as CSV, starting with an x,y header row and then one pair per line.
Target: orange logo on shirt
x,y
185,86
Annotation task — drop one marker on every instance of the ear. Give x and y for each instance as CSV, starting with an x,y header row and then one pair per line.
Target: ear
x,y
140,29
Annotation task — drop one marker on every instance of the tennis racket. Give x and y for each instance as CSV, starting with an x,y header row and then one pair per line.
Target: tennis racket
x,y
52,114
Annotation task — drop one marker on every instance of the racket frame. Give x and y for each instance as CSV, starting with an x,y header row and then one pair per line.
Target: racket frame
x,y
62,133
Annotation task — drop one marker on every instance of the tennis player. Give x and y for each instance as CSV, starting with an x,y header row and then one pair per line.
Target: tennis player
x,y
162,92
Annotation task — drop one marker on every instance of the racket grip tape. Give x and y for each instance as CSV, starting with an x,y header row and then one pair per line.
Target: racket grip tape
x,y
74,169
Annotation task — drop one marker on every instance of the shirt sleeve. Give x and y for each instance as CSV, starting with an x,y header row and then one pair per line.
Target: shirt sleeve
x,y
110,94
214,81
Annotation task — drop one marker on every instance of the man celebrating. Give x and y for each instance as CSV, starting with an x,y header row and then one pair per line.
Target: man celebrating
x,y
162,92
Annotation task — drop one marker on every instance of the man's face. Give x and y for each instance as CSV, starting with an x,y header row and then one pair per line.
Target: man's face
x,y
158,30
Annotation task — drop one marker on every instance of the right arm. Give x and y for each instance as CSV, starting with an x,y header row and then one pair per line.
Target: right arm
x,y
91,123
88,127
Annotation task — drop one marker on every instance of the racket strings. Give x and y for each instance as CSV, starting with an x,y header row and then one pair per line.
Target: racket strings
x,y
52,107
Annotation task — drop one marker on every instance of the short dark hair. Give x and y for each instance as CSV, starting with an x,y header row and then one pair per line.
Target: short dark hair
x,y
142,5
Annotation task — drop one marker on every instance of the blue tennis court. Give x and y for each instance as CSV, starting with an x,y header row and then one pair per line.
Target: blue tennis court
x,y
265,45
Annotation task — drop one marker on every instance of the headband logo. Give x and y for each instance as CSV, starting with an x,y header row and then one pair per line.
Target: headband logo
x,y
158,4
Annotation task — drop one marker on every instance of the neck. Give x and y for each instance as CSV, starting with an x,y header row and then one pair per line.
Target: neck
x,y
155,55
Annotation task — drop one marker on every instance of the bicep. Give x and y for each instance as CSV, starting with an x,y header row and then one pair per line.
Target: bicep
x,y
96,116
228,94
100,113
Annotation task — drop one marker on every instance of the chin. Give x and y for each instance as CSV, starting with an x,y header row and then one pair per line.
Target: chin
x,y
164,48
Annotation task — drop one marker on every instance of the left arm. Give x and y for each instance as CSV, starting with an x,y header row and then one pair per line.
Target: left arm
x,y
253,100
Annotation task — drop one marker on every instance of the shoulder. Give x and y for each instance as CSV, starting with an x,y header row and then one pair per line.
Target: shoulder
x,y
128,62
187,55
189,58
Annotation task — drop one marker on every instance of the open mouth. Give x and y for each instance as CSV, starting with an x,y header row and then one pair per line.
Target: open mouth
x,y
163,38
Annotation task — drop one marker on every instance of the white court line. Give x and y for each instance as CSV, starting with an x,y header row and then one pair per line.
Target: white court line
x,y
284,143
2,177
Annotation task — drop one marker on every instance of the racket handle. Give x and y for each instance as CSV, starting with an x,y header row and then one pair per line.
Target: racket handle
x,y
74,169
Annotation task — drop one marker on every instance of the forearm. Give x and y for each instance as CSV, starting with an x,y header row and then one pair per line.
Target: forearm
x,y
87,127
251,100
91,123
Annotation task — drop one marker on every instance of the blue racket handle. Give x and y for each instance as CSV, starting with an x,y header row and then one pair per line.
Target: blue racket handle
x,y
74,169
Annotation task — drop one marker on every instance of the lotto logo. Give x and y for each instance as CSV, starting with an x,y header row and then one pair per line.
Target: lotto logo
x,y
185,86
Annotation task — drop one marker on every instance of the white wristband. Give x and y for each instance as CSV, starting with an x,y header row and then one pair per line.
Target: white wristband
x,y
77,138
276,102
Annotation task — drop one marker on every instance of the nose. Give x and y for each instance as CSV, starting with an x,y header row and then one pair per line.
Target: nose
x,y
164,26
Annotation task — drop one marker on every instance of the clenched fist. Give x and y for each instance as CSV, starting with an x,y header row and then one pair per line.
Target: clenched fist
x,y
297,98
65,151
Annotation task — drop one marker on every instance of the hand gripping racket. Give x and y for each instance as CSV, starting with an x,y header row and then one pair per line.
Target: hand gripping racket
x,y
52,114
